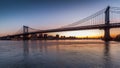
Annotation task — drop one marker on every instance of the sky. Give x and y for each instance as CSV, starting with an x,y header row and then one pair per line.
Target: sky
x,y
46,14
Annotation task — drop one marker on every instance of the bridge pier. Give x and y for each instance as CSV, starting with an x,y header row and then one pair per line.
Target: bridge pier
x,y
107,34
25,37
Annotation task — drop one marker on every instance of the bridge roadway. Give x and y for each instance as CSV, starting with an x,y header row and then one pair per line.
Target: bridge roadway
x,y
100,26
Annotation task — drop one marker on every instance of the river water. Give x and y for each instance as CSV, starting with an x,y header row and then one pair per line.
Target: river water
x,y
59,54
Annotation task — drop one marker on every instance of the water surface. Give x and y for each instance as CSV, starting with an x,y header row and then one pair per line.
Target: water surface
x,y
59,54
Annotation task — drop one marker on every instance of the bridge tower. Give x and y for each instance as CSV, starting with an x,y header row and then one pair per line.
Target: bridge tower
x,y
25,29
107,23
25,33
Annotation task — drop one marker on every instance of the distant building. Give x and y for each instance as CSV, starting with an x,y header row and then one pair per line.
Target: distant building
x,y
40,35
63,37
57,36
117,38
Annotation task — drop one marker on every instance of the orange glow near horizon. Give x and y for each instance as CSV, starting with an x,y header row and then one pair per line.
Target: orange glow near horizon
x,y
84,33
81,34
87,33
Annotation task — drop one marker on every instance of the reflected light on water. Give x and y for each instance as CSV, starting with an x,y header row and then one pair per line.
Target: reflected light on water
x,y
59,54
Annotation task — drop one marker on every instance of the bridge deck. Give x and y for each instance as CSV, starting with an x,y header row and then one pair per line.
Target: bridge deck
x,y
100,26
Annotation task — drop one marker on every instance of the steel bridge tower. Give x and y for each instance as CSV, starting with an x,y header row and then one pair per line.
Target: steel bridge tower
x,y
107,23
25,33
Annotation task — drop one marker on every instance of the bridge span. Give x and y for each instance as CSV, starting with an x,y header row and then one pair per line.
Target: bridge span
x,y
92,22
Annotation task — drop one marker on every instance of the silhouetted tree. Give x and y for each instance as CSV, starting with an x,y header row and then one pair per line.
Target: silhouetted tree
x,y
117,38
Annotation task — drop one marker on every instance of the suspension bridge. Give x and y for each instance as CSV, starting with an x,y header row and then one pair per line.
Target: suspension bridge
x,y
104,19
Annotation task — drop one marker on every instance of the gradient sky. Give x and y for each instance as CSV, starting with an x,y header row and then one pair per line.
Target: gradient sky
x,y
47,14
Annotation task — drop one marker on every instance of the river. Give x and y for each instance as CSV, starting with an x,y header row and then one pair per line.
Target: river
x,y
59,54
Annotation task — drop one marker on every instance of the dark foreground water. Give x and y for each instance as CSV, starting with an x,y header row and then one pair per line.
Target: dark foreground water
x,y
59,54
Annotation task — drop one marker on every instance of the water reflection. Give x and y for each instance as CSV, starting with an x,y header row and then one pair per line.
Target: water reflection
x,y
45,46
25,54
40,47
66,54
107,58
25,48
59,54
57,46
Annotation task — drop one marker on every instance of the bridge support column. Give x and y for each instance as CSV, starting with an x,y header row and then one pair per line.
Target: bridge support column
x,y
25,37
107,34
107,23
